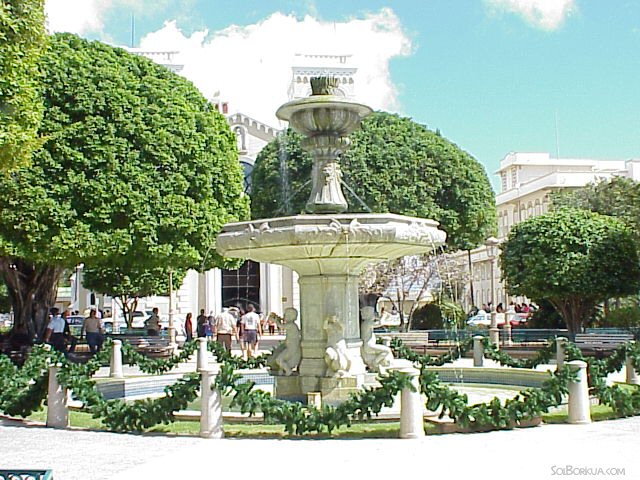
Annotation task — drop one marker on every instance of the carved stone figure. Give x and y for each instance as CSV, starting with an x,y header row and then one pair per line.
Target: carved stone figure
x,y
335,355
376,357
286,357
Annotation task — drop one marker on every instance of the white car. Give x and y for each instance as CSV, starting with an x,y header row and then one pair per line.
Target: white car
x,y
483,319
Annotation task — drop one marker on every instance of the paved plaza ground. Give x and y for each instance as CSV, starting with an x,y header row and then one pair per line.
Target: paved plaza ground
x,y
533,453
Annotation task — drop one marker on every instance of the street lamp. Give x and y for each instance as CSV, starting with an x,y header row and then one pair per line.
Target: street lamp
x,y
492,252
172,330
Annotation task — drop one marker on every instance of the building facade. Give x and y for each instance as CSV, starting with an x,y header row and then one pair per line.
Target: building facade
x,y
526,182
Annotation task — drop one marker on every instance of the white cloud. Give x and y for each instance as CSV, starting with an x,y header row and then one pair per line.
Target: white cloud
x,y
543,14
251,65
74,16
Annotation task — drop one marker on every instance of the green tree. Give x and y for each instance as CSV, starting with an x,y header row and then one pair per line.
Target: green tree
x,y
393,165
127,283
137,168
22,41
574,259
618,197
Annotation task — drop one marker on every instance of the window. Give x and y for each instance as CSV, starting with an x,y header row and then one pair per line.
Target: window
x,y
241,139
242,286
514,177
247,168
503,177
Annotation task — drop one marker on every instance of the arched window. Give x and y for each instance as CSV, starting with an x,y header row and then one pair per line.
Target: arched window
x,y
241,139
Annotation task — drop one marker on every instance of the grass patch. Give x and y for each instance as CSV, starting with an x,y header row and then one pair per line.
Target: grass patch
x,y
598,413
357,430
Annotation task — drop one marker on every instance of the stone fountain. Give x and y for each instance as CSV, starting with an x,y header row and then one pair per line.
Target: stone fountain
x,y
328,249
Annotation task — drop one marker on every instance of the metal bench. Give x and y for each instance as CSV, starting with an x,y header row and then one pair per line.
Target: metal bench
x,y
417,340
152,347
600,344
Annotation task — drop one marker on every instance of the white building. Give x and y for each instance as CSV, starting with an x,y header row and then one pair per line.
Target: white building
x,y
526,180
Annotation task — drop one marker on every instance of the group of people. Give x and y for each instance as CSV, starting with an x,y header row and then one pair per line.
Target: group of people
x,y
247,327
514,307
58,332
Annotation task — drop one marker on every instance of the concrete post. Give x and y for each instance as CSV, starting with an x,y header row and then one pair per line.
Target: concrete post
x,y
478,351
632,374
411,410
115,366
494,332
314,399
57,412
210,407
202,359
508,316
561,351
579,412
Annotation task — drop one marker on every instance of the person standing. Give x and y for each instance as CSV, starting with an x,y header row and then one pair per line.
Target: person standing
x,y
92,325
188,327
201,322
225,326
54,334
153,323
251,325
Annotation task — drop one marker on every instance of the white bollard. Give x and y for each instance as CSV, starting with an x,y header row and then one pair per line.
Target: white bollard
x,y
478,351
57,412
115,366
210,407
508,316
561,351
632,374
579,405
411,409
202,361
494,331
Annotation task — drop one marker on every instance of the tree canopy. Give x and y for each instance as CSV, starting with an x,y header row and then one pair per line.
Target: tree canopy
x,y
573,258
22,40
618,197
393,165
138,171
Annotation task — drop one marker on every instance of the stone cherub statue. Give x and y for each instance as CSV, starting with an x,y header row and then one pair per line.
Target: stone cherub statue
x,y
335,355
376,357
287,356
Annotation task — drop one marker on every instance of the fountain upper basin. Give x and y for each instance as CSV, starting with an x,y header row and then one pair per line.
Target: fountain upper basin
x,y
335,244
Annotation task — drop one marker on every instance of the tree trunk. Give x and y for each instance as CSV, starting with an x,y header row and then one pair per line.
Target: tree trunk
x,y
574,311
33,290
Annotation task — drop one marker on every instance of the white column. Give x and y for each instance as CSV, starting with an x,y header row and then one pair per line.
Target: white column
x,y
213,291
210,407
579,405
115,366
631,373
202,360
561,351
57,412
271,288
411,409
478,351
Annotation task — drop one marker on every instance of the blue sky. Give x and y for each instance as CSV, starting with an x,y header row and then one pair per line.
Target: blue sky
x,y
492,75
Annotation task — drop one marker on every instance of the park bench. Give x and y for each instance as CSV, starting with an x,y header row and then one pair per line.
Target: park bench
x,y
152,347
599,344
416,341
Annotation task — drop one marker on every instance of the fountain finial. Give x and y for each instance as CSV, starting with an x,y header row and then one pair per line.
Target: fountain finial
x,y
324,85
